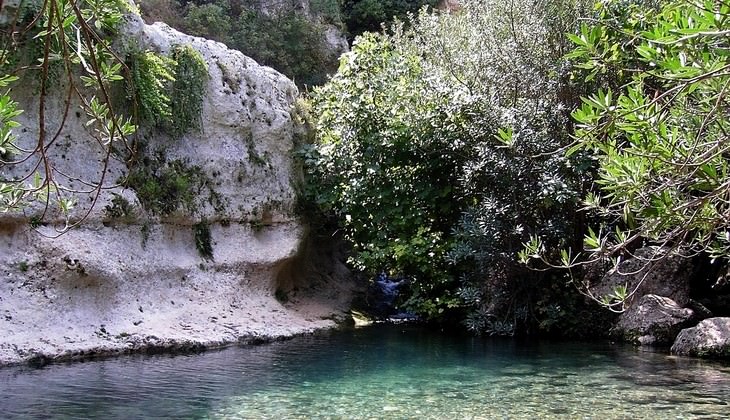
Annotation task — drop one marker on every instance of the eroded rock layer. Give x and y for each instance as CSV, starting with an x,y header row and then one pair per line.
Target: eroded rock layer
x,y
129,279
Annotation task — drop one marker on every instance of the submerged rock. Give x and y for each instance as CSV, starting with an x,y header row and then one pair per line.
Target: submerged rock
x,y
710,338
655,320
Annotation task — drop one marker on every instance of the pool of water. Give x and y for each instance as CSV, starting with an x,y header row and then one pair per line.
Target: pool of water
x,y
379,372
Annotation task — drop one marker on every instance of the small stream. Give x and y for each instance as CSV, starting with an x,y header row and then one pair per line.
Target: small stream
x,y
396,371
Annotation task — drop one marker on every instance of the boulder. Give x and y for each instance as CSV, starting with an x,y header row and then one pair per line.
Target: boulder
x,y
710,338
650,271
655,320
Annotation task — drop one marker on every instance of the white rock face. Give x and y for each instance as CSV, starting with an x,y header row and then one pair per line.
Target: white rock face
x,y
113,286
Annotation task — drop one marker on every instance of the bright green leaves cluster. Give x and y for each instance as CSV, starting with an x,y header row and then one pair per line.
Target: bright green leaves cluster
x,y
107,126
169,91
152,75
188,89
660,134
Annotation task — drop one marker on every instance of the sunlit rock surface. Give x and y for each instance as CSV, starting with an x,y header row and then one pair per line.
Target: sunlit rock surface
x,y
710,338
139,282
654,320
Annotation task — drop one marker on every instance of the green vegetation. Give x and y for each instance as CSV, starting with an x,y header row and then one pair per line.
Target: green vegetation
x,y
369,15
439,170
169,91
657,126
288,42
188,89
120,209
448,144
201,233
152,75
164,187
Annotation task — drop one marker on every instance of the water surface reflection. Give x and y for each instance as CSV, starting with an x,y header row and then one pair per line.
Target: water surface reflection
x,y
379,372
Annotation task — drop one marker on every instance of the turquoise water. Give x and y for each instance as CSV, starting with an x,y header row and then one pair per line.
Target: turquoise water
x,y
380,372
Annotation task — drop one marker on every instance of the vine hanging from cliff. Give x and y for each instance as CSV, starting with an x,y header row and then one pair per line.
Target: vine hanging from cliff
x,y
188,89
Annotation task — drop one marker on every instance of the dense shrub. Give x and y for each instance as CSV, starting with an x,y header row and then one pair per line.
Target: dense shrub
x,y
369,15
658,127
211,20
283,38
288,42
436,149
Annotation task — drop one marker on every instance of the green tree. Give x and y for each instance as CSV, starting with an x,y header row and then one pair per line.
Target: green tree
x,y
434,150
369,15
658,130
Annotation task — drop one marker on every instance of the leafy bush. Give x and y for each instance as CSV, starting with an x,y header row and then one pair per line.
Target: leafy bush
x,y
169,11
211,20
327,10
657,128
288,42
436,150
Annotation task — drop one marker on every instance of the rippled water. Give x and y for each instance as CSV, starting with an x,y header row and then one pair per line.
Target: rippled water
x,y
380,372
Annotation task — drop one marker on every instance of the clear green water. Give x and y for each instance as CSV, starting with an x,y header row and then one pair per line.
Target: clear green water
x,y
381,372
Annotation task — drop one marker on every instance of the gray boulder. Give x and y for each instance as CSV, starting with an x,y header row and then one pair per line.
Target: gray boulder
x,y
655,320
710,338
650,271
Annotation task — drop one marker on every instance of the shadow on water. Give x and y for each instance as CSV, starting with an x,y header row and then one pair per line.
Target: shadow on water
x,y
384,372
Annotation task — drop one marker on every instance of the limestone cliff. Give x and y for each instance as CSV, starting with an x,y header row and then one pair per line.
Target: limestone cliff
x,y
135,281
